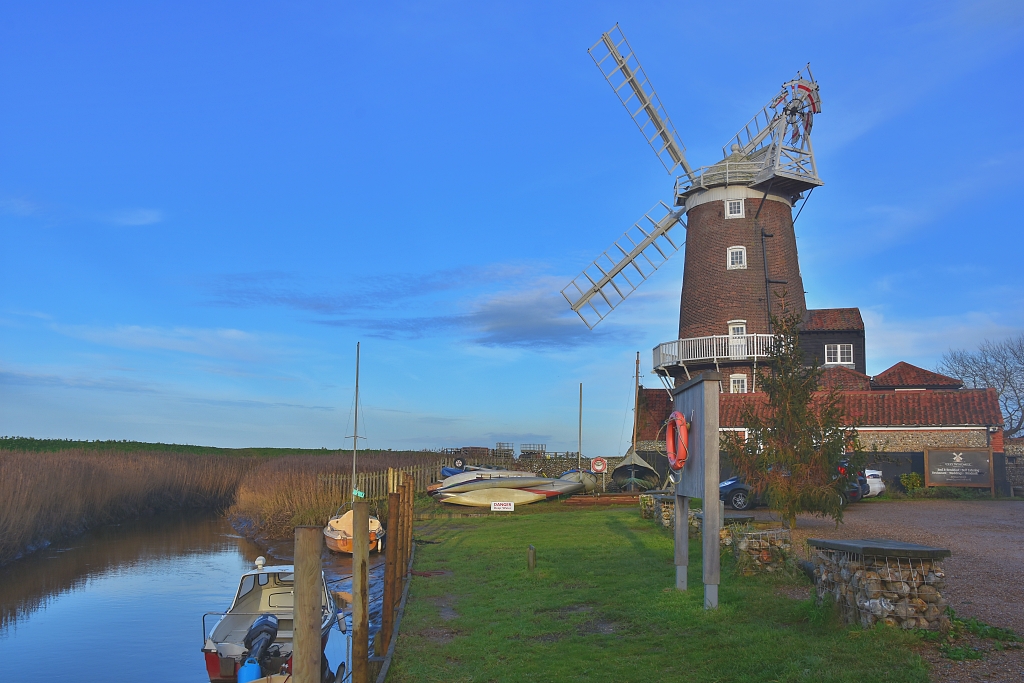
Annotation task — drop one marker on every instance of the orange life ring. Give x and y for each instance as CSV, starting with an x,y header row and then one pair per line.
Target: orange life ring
x,y
677,438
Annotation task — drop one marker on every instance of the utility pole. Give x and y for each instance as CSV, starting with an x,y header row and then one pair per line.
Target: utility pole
x,y
636,400
579,443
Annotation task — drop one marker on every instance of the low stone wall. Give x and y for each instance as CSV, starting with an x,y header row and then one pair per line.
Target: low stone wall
x,y
899,591
770,550
1015,461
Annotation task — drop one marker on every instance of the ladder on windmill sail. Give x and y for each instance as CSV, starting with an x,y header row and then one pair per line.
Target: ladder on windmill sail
x,y
634,257
614,56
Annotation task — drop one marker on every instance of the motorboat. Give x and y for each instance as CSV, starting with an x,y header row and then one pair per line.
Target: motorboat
x,y
253,638
338,533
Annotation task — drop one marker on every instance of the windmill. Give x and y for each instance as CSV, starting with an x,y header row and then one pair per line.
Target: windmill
x,y
737,217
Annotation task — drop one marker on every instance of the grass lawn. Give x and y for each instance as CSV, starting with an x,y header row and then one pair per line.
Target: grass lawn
x,y
600,607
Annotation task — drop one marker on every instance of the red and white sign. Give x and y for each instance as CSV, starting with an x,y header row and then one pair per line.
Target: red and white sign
x,y
598,465
502,506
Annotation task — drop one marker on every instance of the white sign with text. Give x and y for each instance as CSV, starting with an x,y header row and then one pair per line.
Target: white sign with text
x,y
501,506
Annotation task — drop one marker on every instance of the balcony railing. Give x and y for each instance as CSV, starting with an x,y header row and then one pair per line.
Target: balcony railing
x,y
716,348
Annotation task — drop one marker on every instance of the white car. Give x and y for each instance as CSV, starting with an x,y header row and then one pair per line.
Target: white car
x,y
875,483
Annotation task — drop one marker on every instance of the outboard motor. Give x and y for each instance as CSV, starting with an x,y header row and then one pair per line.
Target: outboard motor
x,y
261,634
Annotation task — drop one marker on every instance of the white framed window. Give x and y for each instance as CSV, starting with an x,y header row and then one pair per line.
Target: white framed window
x,y
839,354
737,328
737,384
736,258
734,208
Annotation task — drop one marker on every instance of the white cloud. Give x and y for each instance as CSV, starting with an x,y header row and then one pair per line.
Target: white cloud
x,y
217,343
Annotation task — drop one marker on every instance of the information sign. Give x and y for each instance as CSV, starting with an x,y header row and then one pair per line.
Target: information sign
x,y
965,467
358,494
500,506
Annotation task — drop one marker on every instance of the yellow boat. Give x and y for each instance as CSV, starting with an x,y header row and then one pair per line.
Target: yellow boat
x,y
338,533
484,497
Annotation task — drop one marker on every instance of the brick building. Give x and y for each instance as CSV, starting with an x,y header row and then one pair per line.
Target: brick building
x,y
898,414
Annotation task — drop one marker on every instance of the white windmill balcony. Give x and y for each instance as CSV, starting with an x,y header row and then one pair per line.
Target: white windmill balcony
x,y
714,349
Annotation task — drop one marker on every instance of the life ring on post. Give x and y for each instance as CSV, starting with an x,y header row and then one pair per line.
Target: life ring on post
x,y
677,440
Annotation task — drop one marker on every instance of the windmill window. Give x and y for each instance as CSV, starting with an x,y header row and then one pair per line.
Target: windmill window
x,y
734,208
839,354
737,384
737,258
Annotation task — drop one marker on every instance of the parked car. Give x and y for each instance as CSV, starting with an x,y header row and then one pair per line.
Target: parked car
x,y
736,494
875,484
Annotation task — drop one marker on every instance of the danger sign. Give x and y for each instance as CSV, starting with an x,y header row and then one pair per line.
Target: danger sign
x,y
501,506
598,465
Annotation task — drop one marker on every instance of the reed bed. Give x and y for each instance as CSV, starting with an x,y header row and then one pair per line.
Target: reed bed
x,y
46,496
285,492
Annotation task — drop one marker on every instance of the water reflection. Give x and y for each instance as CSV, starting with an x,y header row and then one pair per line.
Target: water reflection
x,y
125,602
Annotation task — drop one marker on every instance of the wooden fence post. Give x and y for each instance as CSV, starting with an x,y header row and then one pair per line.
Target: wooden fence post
x,y
391,548
409,524
360,591
308,602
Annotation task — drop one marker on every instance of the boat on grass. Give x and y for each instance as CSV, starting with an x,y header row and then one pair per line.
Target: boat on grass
x,y
635,474
484,497
253,638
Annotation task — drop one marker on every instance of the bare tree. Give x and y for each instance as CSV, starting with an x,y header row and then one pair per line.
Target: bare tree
x,y
996,364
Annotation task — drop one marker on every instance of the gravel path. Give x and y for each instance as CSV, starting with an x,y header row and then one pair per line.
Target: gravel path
x,y
984,575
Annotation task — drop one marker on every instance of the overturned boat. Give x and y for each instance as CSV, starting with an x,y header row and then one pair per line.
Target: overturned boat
x,y
253,638
635,474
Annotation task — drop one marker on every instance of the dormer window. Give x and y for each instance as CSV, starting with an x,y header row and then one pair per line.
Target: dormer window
x,y
838,354
734,208
736,258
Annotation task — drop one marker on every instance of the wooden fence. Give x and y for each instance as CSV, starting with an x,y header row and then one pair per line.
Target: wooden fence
x,y
377,485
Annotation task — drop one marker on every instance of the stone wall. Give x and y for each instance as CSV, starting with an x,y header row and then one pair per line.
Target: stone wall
x,y
1015,461
894,441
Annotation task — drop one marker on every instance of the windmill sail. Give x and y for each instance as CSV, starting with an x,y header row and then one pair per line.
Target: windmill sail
x,y
622,70
634,257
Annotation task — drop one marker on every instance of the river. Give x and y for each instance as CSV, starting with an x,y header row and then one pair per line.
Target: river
x,y
125,602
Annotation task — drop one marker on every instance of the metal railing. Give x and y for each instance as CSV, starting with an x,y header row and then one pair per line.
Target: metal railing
x,y
716,348
722,173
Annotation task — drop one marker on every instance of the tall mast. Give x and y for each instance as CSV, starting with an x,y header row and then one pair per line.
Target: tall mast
x,y
579,446
636,399
355,429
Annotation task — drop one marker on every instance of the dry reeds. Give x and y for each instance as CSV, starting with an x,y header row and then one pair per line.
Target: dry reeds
x,y
45,496
285,492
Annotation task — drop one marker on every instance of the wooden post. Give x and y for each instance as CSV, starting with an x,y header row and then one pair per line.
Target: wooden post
x,y
387,622
697,400
308,604
531,558
407,530
360,591
682,539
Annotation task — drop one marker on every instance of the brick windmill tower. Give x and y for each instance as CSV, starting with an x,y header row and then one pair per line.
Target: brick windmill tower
x,y
741,255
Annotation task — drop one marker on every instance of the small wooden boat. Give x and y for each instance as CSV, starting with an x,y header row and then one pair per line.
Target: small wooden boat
x,y
254,635
338,533
484,497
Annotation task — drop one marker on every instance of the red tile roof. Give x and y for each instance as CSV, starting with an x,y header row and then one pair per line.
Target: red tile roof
x,y
966,407
907,376
825,319
844,379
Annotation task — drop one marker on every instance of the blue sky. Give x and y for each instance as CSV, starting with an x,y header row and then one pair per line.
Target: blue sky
x,y
204,206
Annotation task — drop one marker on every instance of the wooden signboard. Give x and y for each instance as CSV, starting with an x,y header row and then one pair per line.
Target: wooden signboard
x,y
969,467
697,400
